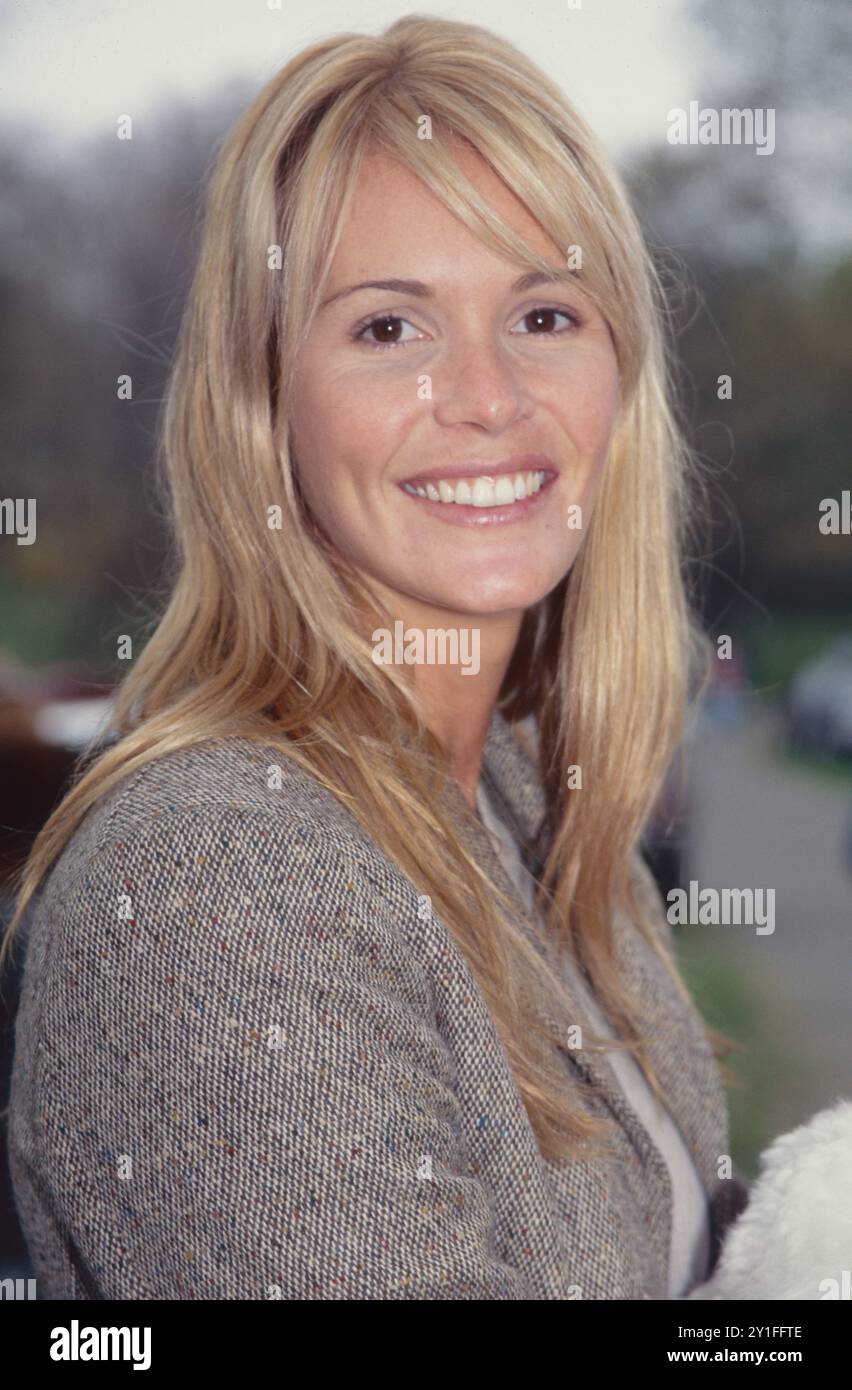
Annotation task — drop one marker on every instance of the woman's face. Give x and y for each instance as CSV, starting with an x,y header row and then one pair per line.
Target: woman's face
x,y
461,382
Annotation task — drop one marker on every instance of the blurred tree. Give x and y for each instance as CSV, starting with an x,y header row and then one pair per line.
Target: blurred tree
x,y
96,257
755,253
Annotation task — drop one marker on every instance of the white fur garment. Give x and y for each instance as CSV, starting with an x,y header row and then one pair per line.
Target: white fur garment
x,y
794,1239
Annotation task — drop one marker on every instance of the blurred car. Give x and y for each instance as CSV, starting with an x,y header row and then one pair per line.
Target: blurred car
x,y
819,703
46,720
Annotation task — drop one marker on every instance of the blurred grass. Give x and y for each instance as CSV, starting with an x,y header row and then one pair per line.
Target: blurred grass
x,y
41,625
731,1000
44,626
778,648
809,765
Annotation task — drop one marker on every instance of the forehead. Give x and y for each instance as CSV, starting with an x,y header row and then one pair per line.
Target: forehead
x,y
396,223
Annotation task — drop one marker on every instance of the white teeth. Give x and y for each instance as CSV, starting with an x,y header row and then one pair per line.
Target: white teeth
x,y
485,491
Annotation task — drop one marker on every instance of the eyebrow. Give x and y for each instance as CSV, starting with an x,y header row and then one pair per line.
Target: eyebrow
x,y
419,290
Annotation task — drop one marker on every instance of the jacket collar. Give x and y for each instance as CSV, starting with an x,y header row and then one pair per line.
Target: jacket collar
x,y
677,1043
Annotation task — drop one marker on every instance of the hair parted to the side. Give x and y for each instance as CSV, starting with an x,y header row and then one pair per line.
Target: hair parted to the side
x,y
263,633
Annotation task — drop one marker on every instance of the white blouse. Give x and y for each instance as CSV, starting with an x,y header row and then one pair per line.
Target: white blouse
x,y
689,1250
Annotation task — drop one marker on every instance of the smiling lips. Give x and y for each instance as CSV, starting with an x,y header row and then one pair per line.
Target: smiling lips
x,y
483,491
501,484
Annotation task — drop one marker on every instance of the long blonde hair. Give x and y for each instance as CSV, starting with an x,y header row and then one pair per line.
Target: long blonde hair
x,y
261,633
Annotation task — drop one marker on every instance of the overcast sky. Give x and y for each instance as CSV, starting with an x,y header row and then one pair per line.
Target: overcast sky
x,y
72,66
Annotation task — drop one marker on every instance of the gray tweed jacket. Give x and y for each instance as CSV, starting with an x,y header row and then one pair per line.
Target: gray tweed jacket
x,y
246,1067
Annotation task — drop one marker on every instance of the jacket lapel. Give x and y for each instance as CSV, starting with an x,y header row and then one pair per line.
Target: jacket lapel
x,y
511,781
677,1042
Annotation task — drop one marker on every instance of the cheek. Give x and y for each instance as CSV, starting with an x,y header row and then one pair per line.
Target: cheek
x,y
348,421
584,398
325,427
347,426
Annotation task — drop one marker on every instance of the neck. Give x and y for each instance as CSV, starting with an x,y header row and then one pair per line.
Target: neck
x,y
458,667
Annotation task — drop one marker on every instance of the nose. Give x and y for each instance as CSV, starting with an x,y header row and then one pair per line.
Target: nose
x,y
478,386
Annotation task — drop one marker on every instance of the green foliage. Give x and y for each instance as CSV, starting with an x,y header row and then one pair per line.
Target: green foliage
x,y
779,645
738,1003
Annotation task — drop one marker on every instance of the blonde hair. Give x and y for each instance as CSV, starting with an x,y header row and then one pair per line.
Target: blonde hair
x,y
261,634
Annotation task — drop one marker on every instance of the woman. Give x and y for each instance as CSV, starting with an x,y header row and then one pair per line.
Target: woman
x,y
344,978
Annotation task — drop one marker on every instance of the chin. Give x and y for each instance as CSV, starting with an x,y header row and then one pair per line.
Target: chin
x,y
486,599
502,591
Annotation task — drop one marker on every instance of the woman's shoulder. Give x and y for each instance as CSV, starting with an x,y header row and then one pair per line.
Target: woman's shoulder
x,y
194,804
220,774
227,857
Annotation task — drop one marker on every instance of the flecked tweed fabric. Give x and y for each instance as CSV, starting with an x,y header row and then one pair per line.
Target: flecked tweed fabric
x,y
250,1065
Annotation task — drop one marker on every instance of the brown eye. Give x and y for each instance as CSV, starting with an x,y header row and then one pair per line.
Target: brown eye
x,y
386,330
543,319
543,322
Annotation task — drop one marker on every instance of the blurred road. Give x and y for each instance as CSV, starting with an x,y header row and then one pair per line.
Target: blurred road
x,y
759,823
